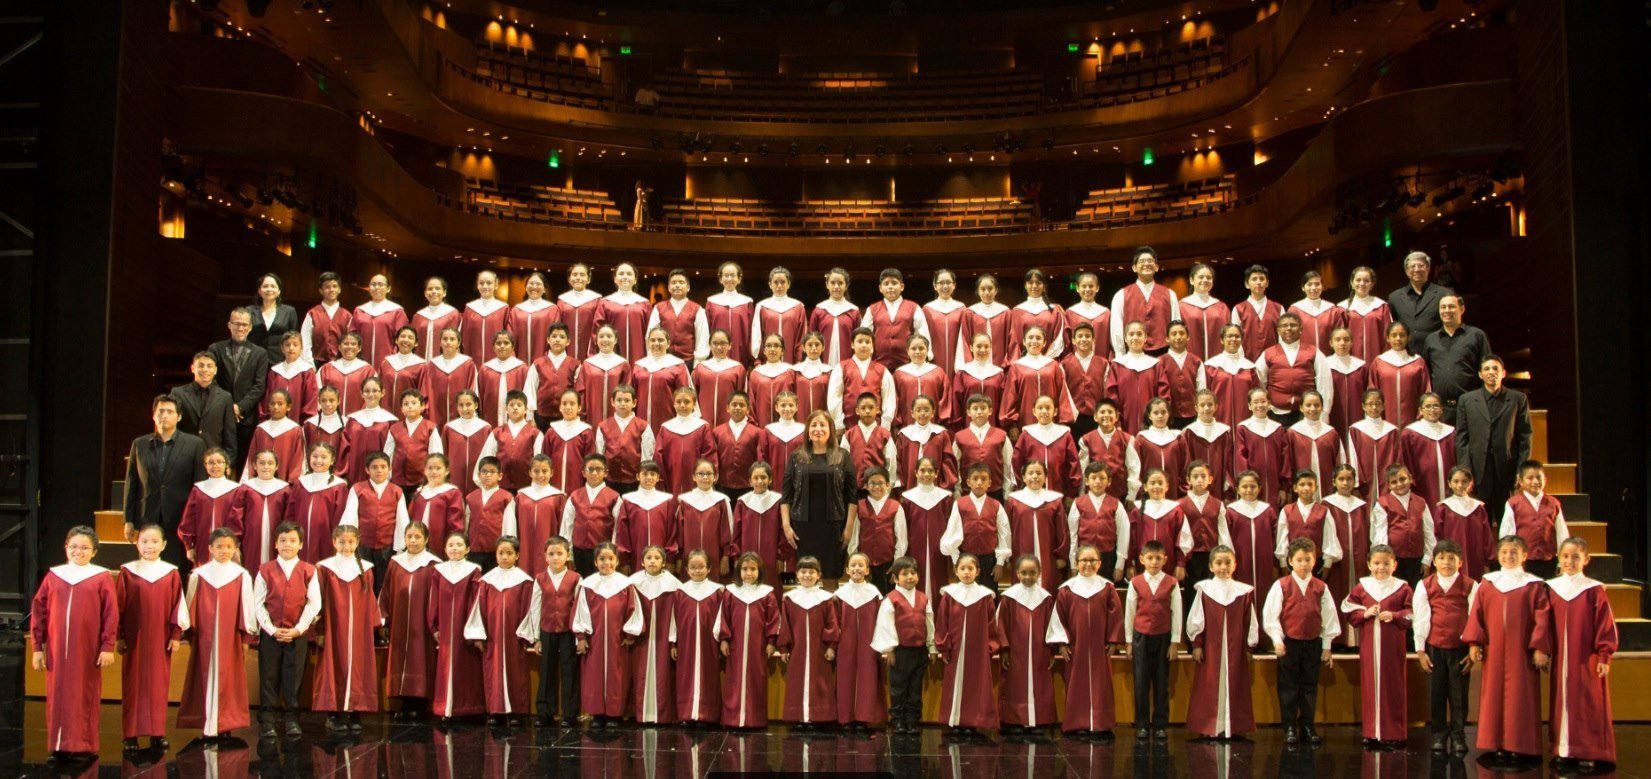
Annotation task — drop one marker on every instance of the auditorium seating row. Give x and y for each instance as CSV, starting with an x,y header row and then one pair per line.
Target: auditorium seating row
x,y
847,217
828,96
539,203
1143,76
538,78
1148,203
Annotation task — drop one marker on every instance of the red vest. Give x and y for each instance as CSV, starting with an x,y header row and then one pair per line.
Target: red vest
x,y
407,466
515,453
679,327
1404,524
1260,330
1310,526
1114,454
735,456
866,453
890,334
1153,312
552,381
375,514
1086,386
877,531
592,520
1300,615
556,603
1152,609
971,450
326,331
1286,382
1098,527
1450,611
855,385
284,597
486,522
1536,525
979,527
911,623
1179,383
623,448
1205,524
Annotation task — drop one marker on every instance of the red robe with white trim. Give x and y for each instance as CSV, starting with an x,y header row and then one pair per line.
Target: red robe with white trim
x,y
479,321
757,529
1213,444
912,381
714,380
220,614
263,507
317,505
1263,446
150,597
834,322
646,518
1099,319
1466,521
1371,446
495,380
499,620
1028,379
1052,318
1383,656
627,313
1053,446
1402,379
656,380
861,689
812,383
456,688
1429,451
529,325
212,504
1351,516
405,600
786,316
1164,448
1368,326
678,444
735,453
731,313
763,384
377,324
567,443
1023,618
808,626
71,639
967,636
1230,377
994,322
577,310
945,323
1132,381
599,375
1223,624
1037,526
401,372
698,659
440,508
284,437
428,322
464,449
1509,615
550,376
1585,637
1313,447
1251,530
1204,324
347,379
298,379
1088,618
928,509
653,682
365,432
971,379
705,520
346,667
1348,381
750,623
539,512
1260,328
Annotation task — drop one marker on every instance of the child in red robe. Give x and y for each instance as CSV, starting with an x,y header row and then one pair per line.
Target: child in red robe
x,y
1248,526
212,504
682,319
602,374
376,508
737,444
681,442
1379,607
1403,520
1132,379
438,505
808,647
281,434
1032,376
1262,445
1372,444
1222,631
1152,620
928,510
1308,517
1464,519
1037,521
318,497
447,376
1049,443
1531,514
652,694
220,610
779,314
1024,615
1509,635
904,636
346,673
457,685
150,593
978,525
540,508
1160,519
694,643
501,378
592,514
71,644
624,439
1439,611
518,438
917,379
1300,618
705,519
551,614
879,527
757,520
730,310
286,600
577,309
404,600
1097,519
490,514
1087,626
1585,638
748,627
969,639
1160,446
718,377
1351,517
647,517
263,504
861,687
498,627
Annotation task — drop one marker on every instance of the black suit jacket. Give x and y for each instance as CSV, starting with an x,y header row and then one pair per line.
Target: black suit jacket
x,y
158,497
286,321
246,385
1482,438
214,421
1420,314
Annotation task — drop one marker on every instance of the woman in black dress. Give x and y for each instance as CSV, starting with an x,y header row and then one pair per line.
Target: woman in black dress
x,y
818,496
271,319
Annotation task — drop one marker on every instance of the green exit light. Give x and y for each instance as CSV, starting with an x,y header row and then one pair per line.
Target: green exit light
x,y
1072,48
1146,156
556,159
1387,233
624,49
314,237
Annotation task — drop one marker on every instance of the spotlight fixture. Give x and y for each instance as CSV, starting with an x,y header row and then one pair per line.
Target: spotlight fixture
x,y
1484,190
940,148
848,151
792,150
909,150
880,150
968,147
762,149
1448,195
820,149
734,148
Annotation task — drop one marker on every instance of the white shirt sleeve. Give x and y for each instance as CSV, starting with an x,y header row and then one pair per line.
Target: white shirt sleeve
x,y
888,401
435,445
900,537
1332,544
648,442
1509,526
1121,519
528,629
581,614
1195,618
1378,525
352,510
951,539
312,606
1421,617
1322,379
260,592
883,636
635,624
1003,548
702,337
1270,611
1072,535
1331,626
834,394
475,628
249,621
1183,540
1117,322
1429,538
568,513
1129,610
306,334
1132,470
508,525
1175,613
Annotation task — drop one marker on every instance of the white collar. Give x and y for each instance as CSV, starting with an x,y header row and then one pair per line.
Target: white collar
x,y
467,426
1404,500
1572,585
1030,597
718,364
811,369
760,502
750,593
566,429
836,307
606,361
1086,587
327,424
502,579
773,370
877,504
988,310
215,488
347,367
1447,582
368,417
606,585
266,487
646,499
1209,431
856,594
413,562
277,427
347,568
436,311
738,426
654,363
1375,427
400,361
699,590
539,491
315,482
1343,364
944,306
578,297
1200,501
485,306
678,305
1035,305
487,493
651,586
1507,581
786,431
455,571
780,304
1146,287
1248,508
213,572
1046,434
1348,503
925,496
917,370
379,307
378,487
1262,427
808,597
1312,428
1088,309
447,364
531,305
1395,358
1035,498
428,492
1153,508
1136,361
1363,306
893,306
683,425
1437,431
1230,362
501,366
1200,300
1311,306
703,500
287,370
1463,504
980,370
1534,500
1223,591
75,574
330,308
966,594
1034,362
412,425
1380,588
730,299
1162,436
625,298
148,570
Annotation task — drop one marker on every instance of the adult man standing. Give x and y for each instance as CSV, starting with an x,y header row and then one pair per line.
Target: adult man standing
x,y
160,470
1417,304
205,409
1453,355
1493,433
243,367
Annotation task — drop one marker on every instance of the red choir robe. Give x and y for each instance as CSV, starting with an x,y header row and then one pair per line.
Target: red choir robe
x,y
577,310
1223,624
71,639
698,660
440,508
1164,448
705,520
763,384
592,516
1086,381
1212,442
714,380
1037,526
892,326
409,444
945,318
1259,323
1116,449
285,438
1349,377
1153,305
1053,446
377,321
379,515
401,372
495,380
1263,446
1350,516
1584,637
679,443
1037,313
625,442
346,668
928,509
1383,657
328,429
322,330
1539,520
757,529
977,378
1249,527
851,379
529,326
1087,619
808,627
912,381
1230,377
735,447
345,376
366,431
627,313
646,518
428,322
1099,319
456,687
1178,382
220,614
539,510
410,668
1203,514
489,516
835,320
1312,522
1132,381
786,316
499,620
464,441
653,687
263,506
730,312
1319,318
1372,445
1024,616
1510,617
1028,379
548,377
298,379
479,321
1205,317
1313,447
750,624
968,637
599,376
1465,520
152,612
1099,522
1428,449
212,504
988,445
812,383
515,443
1367,322
317,505
567,443
1402,378
656,380
783,438
993,320
442,382
914,442
1164,522
861,689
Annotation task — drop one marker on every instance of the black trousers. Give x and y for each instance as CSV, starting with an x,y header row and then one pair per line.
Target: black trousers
x,y
1083,425
1542,568
280,672
1447,690
906,684
1408,570
879,578
1198,569
1298,680
1151,680
559,670
487,560
1180,423
584,561
1286,419
379,557
1109,563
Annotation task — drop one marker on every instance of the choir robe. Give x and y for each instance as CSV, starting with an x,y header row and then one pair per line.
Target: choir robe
x,y
627,313
1223,624
1099,319
1249,528
763,384
851,379
377,321
928,509
1372,444
366,431
978,525
1203,514
567,443
1053,446
1116,450
750,623
861,689
1037,526
625,442
893,324
1036,313
786,316
285,438
1349,377
977,378
327,430
945,318
735,447
346,376
1367,321
880,531
479,321
1585,637
714,380
698,661
1024,615
464,441
71,640
1312,522
592,516
1102,523
834,320
442,382
428,322
1026,380
1164,522
646,518
1212,442
317,505
783,438
539,510
1510,617
379,515
1538,519
515,443
757,529
914,442
220,614
1087,619
912,380
488,516
730,312
808,627
1404,522
1313,447
1351,517
264,504
410,669
1401,378
1132,381
401,372
656,380
679,443
599,376
1165,448
991,319
212,504
1263,446
321,331
1259,321
1230,377
1178,382
576,308
1383,659
410,442
705,520
495,380
1085,381
968,637
812,383
989,445
529,326
653,682
440,508
549,376
152,611
1428,449
1465,520
456,689
1205,318
1319,318
346,668
298,379
499,621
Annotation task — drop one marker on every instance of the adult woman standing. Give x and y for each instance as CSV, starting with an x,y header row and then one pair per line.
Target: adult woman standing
x,y
819,489
271,319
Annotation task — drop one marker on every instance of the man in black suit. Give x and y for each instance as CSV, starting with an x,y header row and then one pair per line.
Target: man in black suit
x,y
243,367
1493,434
1417,304
205,409
160,470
